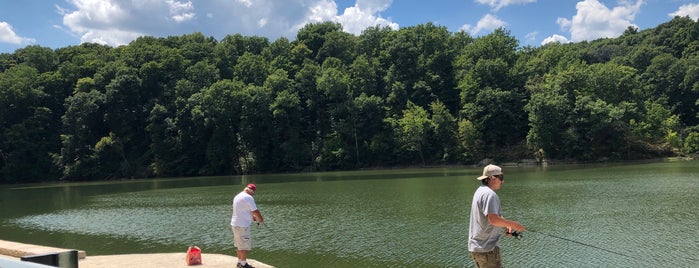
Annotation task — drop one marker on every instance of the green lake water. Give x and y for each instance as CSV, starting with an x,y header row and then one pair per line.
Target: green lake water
x,y
621,215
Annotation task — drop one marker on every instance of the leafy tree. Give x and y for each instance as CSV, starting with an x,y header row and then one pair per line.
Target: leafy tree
x,y
142,50
278,81
371,39
84,60
675,79
313,111
27,133
109,158
232,47
444,129
251,69
227,52
413,129
82,127
42,58
202,74
220,106
314,35
191,105
279,56
498,115
658,120
400,57
340,45
493,96
549,110
365,77
691,143
397,93
162,131
470,144
26,145
256,153
189,153
334,84
194,47
18,94
287,112
435,63
369,130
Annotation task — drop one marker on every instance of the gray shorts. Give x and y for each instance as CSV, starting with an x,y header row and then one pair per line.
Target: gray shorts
x,y
242,239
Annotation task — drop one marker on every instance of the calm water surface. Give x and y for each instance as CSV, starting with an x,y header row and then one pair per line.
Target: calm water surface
x,y
632,215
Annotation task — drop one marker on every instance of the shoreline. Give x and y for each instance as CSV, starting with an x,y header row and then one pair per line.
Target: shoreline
x,y
525,162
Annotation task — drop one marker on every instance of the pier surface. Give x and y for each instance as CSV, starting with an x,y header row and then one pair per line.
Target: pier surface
x,y
10,251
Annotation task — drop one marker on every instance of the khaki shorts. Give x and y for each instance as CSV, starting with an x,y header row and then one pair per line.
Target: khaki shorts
x,y
242,239
490,259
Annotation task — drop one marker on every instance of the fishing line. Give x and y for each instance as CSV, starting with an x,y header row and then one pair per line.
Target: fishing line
x,y
581,243
276,236
518,235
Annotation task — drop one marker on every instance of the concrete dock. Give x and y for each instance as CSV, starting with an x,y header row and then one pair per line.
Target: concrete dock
x,y
18,250
14,251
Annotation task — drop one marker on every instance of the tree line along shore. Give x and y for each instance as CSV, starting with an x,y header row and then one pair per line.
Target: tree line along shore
x,y
192,105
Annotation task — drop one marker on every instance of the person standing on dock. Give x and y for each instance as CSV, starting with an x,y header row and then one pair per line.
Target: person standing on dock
x,y
486,223
244,213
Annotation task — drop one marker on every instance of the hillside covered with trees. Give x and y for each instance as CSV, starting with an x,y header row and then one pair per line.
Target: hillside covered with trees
x,y
192,105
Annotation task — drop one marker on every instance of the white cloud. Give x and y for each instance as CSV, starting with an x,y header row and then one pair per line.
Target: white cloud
x,y
118,22
99,22
262,22
8,35
246,3
498,4
530,37
362,15
691,10
594,20
60,10
489,22
555,38
354,19
109,37
180,11
322,11
564,23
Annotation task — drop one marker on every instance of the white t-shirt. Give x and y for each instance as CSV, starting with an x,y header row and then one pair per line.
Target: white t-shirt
x,y
243,206
483,236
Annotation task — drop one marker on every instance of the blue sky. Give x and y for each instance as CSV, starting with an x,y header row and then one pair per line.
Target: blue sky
x,y
62,23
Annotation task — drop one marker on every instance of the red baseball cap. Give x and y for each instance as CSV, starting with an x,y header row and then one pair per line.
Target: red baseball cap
x,y
252,187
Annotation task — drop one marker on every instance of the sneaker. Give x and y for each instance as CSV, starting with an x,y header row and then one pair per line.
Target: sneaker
x,y
247,265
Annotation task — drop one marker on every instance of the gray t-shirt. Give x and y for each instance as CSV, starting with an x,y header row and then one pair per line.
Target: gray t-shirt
x,y
483,236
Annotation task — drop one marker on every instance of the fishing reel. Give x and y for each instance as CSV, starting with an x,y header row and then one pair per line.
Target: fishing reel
x,y
515,234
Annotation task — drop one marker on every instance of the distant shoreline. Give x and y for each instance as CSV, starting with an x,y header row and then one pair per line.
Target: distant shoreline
x,y
520,163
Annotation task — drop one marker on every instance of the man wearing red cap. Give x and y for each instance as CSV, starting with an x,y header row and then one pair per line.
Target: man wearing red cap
x,y
244,213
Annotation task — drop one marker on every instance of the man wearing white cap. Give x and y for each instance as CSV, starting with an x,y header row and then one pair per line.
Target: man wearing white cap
x,y
487,224
244,213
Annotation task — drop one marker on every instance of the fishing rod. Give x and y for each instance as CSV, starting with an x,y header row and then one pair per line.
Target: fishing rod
x,y
518,235
276,236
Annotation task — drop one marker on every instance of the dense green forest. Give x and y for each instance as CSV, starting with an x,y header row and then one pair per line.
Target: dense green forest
x,y
192,105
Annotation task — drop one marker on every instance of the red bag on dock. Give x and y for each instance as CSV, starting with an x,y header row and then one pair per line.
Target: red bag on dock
x,y
193,255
